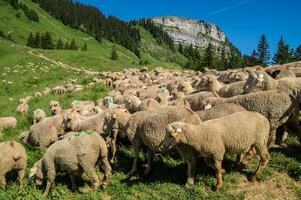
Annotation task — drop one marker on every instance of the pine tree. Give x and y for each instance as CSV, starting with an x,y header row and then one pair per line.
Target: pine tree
x,y
37,40
209,57
181,48
114,55
223,61
73,45
67,45
263,53
46,41
59,44
298,53
30,40
85,48
282,55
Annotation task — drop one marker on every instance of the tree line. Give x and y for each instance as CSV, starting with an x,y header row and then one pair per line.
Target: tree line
x,y
29,13
45,41
91,20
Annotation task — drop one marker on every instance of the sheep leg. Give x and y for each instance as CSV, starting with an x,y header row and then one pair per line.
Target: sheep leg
x,y
219,176
51,173
272,137
264,158
137,144
113,148
73,184
188,155
247,158
107,171
2,180
212,165
91,174
148,168
21,174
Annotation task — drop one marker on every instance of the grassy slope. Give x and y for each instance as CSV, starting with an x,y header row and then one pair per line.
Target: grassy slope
x,y
280,179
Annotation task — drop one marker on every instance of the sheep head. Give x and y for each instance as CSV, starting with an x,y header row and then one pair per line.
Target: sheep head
x,y
37,172
175,132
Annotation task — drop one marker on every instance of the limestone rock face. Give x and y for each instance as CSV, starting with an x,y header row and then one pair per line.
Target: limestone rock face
x,y
188,31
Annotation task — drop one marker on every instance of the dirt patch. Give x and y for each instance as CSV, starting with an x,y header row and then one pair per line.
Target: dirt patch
x,y
281,186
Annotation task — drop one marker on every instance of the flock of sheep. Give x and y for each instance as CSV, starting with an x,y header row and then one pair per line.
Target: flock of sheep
x,y
210,114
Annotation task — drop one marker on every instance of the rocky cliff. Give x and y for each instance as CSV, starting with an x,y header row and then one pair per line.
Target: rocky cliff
x,y
188,31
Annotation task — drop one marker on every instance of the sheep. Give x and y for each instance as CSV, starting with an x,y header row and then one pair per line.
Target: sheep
x,y
44,133
115,124
75,122
148,92
132,103
38,115
196,99
276,106
291,86
219,111
8,122
76,154
22,107
149,129
149,104
237,133
13,157
59,90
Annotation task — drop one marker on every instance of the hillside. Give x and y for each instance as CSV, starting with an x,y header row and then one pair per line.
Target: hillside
x,y
17,27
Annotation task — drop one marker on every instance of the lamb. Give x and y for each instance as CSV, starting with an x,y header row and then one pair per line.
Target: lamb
x,y
13,157
220,110
149,129
8,122
276,106
76,154
115,124
44,133
22,107
38,115
237,133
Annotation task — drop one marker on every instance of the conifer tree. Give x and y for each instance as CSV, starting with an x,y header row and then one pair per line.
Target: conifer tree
x,y
209,57
73,45
67,45
59,44
46,41
30,40
37,40
85,48
282,55
114,55
298,53
263,52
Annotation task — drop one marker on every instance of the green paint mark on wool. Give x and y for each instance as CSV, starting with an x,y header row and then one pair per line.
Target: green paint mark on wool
x,y
163,90
77,134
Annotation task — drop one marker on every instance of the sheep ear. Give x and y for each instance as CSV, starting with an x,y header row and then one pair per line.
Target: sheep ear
x,y
208,107
114,116
174,134
33,171
179,130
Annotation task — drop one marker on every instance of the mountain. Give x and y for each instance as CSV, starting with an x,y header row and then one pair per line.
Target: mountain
x,y
192,32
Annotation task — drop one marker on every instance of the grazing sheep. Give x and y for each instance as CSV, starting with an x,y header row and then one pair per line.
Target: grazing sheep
x,y
13,157
276,106
22,107
45,132
236,134
150,130
8,122
76,154
38,115
220,110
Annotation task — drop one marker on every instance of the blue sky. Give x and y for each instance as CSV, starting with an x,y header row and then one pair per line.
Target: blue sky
x,y
244,21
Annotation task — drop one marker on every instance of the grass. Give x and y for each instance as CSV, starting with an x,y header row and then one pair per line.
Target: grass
x,y
280,180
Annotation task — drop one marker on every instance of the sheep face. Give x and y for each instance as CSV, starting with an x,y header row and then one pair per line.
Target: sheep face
x,y
68,121
23,137
37,172
175,133
252,81
110,123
